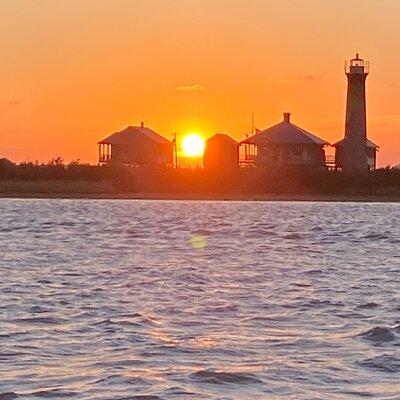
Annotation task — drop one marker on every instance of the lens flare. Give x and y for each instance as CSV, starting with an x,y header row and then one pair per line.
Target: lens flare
x,y
198,241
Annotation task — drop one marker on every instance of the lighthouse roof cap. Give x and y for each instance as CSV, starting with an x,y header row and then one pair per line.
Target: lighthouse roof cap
x,y
357,58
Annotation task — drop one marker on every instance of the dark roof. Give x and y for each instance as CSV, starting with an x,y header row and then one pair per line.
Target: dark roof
x,y
223,137
284,133
369,144
128,134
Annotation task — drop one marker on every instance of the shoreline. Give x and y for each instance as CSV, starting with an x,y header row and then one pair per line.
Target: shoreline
x,y
204,197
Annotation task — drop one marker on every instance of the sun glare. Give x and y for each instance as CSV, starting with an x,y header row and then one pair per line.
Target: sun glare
x,y
193,145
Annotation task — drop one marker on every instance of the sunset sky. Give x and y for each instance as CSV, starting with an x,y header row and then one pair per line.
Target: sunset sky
x,y
74,71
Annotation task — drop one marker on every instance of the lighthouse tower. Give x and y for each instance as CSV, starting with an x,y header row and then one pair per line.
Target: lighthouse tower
x,y
354,146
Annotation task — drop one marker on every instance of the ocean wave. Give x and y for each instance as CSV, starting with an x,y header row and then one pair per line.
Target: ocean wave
x,y
135,233
322,303
44,281
299,284
42,320
202,232
141,321
8,396
38,310
220,378
177,391
260,232
222,309
293,236
9,354
115,379
141,397
367,306
314,271
377,236
317,228
50,394
385,363
381,334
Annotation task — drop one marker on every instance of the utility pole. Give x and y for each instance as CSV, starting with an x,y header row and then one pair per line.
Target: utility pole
x,y
174,141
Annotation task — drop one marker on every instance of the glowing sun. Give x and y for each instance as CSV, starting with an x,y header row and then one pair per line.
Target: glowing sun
x,y
193,145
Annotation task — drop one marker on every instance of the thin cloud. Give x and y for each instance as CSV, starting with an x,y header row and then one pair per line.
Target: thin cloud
x,y
293,79
382,120
190,88
13,103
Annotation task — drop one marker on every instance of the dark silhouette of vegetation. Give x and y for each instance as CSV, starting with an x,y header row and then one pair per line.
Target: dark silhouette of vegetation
x,y
55,176
55,169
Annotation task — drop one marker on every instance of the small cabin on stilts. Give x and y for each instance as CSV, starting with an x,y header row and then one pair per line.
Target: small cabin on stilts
x,y
283,145
136,145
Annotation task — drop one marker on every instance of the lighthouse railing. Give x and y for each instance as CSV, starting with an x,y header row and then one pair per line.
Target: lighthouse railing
x,y
356,66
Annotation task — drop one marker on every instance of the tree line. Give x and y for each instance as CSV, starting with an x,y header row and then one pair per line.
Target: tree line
x,y
385,181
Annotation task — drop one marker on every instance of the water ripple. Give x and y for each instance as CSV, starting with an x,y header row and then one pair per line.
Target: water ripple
x,y
198,300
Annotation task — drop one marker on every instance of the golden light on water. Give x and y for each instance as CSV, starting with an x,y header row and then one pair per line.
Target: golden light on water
x,y
198,241
193,145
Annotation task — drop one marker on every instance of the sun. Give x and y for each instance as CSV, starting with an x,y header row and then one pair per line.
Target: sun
x,y
193,145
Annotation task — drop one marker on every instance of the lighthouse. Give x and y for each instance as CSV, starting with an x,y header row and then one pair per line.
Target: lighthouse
x,y
354,149
355,153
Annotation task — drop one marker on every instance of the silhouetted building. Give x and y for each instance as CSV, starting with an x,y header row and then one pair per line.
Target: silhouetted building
x,y
135,145
221,152
354,154
284,144
371,151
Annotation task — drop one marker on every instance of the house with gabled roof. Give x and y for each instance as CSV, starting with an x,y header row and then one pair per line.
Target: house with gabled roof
x,y
284,144
136,145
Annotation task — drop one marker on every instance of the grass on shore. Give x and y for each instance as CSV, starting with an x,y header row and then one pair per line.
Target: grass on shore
x,y
62,187
105,190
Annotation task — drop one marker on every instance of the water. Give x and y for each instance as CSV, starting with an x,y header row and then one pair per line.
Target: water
x,y
199,300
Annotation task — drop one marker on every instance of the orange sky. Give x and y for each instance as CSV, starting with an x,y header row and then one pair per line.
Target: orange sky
x,y
74,71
